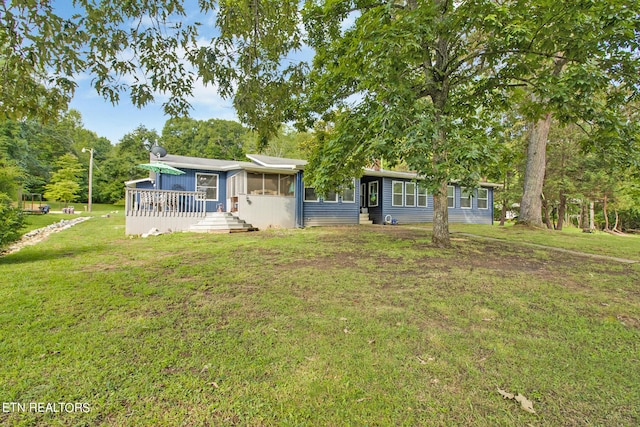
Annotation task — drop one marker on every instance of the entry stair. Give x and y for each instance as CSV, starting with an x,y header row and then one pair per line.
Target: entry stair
x,y
364,217
221,222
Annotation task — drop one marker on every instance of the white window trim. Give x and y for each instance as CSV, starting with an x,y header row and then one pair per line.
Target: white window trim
x,y
394,194
452,198
331,201
377,202
486,190
353,188
426,197
217,186
462,191
407,193
304,196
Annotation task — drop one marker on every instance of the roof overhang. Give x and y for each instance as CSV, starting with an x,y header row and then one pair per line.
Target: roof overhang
x,y
137,181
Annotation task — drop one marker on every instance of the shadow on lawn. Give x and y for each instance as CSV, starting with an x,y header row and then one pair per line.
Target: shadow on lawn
x,y
32,254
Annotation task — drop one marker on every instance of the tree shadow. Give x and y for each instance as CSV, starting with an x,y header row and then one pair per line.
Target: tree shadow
x,y
30,254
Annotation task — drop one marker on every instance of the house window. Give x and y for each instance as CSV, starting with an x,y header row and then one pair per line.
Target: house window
x,y
254,183
208,183
233,186
349,193
409,193
373,194
483,198
270,184
310,194
451,196
398,193
287,185
422,195
466,196
331,197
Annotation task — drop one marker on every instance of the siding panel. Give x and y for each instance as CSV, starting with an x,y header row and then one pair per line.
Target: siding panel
x,y
328,213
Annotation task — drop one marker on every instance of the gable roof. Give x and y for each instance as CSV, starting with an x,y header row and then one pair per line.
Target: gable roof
x,y
277,162
202,163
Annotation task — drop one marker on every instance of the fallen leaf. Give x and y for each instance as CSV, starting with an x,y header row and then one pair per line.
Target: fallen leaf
x,y
371,341
205,368
526,404
346,331
422,362
214,384
362,399
505,395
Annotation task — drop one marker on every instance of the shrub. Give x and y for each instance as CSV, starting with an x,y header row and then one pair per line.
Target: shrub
x,y
11,221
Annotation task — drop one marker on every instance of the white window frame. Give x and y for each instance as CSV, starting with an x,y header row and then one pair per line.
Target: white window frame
x,y
353,190
413,193
394,194
451,198
371,185
469,198
334,200
217,187
316,200
485,199
422,193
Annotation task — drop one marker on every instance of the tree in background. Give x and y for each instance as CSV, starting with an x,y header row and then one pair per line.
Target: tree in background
x,y
578,62
120,166
214,138
11,218
288,143
65,181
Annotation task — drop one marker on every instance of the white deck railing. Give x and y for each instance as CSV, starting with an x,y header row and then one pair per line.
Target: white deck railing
x,y
164,203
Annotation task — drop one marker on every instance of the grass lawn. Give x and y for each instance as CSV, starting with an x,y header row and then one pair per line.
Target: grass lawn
x,y
322,326
38,221
598,242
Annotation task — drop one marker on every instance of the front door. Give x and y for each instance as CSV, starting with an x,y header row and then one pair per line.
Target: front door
x,y
363,195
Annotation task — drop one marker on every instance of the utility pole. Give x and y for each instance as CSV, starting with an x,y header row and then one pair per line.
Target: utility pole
x,y
90,150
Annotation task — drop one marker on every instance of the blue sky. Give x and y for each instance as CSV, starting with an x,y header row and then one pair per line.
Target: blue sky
x,y
113,122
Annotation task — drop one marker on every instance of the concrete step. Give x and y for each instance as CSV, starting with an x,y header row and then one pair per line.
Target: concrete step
x,y
221,222
364,219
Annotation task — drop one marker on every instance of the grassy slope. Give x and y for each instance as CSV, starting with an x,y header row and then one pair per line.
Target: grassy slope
x,y
327,326
571,238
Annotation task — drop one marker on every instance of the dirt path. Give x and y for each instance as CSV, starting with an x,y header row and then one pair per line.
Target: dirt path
x,y
552,248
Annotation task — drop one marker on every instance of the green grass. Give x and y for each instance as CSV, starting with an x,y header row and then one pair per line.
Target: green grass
x,y
33,222
571,238
323,326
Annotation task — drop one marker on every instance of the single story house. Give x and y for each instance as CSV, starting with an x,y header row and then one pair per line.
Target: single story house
x,y
270,192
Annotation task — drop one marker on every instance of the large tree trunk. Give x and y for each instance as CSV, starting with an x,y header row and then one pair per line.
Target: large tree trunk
x,y
503,213
440,236
584,216
531,205
562,209
592,215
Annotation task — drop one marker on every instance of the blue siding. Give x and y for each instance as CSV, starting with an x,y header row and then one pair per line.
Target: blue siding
x,y
473,215
415,214
404,214
187,182
331,213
